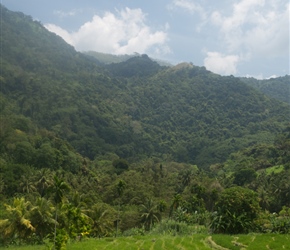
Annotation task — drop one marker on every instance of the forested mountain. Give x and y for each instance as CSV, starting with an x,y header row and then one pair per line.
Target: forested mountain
x,y
105,58
278,88
134,108
84,145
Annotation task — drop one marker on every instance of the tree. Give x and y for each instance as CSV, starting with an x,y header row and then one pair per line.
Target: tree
x,y
120,165
263,198
26,184
244,175
76,220
149,214
120,189
101,216
175,204
199,196
42,217
236,210
43,181
18,223
58,188
186,177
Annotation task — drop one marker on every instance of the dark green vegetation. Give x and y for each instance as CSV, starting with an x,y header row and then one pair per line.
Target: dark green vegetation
x,y
92,150
278,88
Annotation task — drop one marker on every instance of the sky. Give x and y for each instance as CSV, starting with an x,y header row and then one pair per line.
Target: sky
x,y
229,37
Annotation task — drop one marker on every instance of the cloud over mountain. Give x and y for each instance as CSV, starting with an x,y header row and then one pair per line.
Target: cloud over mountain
x,y
125,32
243,31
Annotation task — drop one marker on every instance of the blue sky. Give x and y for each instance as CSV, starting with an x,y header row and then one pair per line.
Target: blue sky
x,y
228,37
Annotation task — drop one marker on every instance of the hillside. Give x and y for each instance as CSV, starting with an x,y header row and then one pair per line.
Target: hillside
x,y
132,148
135,108
105,58
278,88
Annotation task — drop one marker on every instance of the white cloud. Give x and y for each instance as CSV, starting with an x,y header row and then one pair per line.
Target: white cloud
x,y
61,32
122,33
256,27
254,30
270,37
261,76
221,64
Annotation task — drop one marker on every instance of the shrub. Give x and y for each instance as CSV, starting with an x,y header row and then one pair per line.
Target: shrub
x,y
237,209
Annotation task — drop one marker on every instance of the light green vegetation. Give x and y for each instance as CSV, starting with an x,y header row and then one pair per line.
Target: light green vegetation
x,y
253,242
167,242
275,169
271,170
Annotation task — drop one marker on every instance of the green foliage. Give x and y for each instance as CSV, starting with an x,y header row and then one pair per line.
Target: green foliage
x,y
277,88
134,109
108,58
41,217
18,224
58,189
150,214
281,222
275,170
120,165
83,146
237,208
138,66
59,243
243,176
102,217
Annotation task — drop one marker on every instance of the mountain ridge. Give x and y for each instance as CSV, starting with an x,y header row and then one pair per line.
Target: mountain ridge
x,y
135,108
86,143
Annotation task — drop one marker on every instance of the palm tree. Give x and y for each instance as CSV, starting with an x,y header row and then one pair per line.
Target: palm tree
x,y
120,190
58,188
78,200
186,177
43,181
175,204
26,185
102,220
263,198
42,217
120,187
19,222
149,214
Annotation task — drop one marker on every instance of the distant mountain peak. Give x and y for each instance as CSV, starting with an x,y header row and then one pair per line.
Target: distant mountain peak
x,y
183,65
141,65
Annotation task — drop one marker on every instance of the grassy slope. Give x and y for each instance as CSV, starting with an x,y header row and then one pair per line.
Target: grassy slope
x,y
197,241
